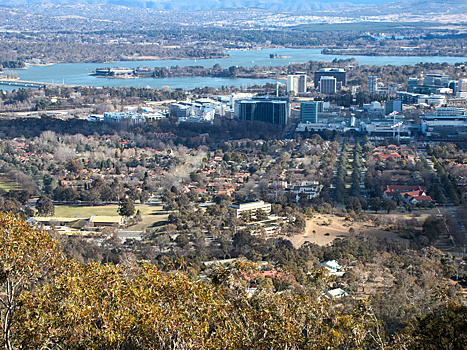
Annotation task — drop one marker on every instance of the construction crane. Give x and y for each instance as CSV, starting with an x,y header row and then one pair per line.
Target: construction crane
x,y
277,88
396,125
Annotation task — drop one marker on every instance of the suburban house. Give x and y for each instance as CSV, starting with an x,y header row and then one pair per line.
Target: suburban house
x,y
410,194
333,267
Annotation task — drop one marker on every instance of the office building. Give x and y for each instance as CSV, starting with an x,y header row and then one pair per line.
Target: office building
x,y
392,106
440,80
393,88
119,117
462,88
446,120
411,98
372,84
385,128
328,85
338,73
296,83
251,208
450,111
412,81
373,108
268,111
309,111
454,86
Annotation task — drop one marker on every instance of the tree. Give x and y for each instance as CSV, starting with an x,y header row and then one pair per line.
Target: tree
x,y
144,196
182,240
375,204
353,204
261,214
65,194
92,196
126,207
441,329
45,206
433,227
26,256
245,215
388,205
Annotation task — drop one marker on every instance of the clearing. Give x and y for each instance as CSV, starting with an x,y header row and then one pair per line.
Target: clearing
x,y
322,229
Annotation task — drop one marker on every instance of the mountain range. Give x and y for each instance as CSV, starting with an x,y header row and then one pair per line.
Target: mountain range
x,y
196,5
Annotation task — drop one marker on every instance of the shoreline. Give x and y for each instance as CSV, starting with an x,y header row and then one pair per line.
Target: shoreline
x,y
129,59
324,52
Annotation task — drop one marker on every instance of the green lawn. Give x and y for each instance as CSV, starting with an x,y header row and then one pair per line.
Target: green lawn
x,y
77,211
7,184
152,215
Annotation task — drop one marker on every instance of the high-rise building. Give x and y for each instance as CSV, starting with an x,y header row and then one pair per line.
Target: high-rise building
x,y
461,90
296,83
328,85
309,111
268,111
338,73
372,84
392,106
462,87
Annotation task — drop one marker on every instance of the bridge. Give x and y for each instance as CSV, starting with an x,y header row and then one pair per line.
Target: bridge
x,y
24,83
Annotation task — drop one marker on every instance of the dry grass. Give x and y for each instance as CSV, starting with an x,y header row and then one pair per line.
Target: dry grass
x,y
322,229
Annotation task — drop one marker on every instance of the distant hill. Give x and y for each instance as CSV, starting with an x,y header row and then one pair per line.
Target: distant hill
x,y
345,8
414,7
196,5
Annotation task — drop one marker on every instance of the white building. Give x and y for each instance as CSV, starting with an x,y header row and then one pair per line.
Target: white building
x,y
374,108
118,117
446,120
450,111
336,293
332,266
251,207
372,84
309,189
296,83
435,100
193,111
154,116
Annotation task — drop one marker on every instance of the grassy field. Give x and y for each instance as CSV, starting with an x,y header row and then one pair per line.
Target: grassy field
x,y
7,184
78,211
153,216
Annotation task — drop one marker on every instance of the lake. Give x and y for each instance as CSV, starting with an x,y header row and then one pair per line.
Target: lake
x,y
77,73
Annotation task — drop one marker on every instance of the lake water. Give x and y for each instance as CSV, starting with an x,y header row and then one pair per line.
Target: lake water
x,y
77,73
